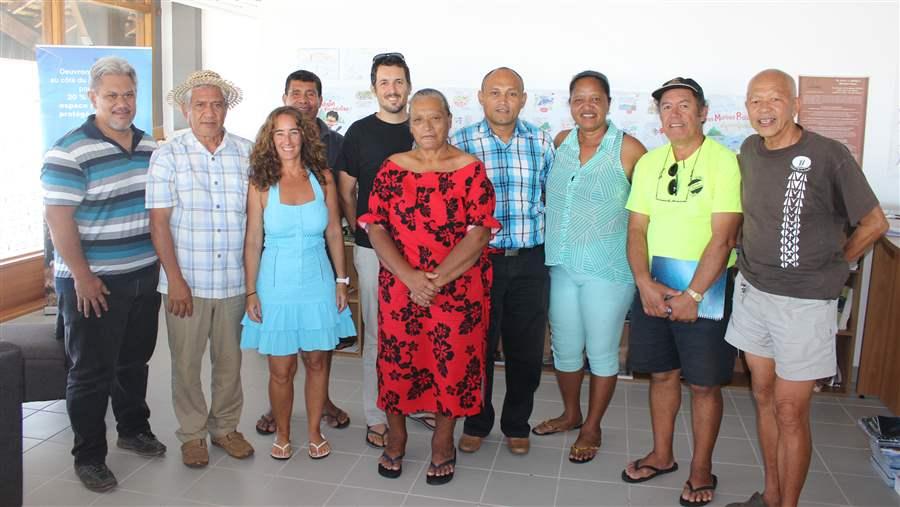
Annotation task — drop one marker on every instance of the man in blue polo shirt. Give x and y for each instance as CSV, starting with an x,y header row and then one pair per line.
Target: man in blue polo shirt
x,y
106,271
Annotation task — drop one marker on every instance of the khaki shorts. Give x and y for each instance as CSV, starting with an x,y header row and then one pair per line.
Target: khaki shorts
x,y
799,334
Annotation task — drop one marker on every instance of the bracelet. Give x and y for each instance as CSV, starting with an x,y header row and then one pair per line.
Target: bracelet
x,y
250,294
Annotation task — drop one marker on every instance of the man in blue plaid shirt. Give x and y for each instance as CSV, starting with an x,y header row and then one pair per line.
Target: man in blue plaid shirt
x,y
517,156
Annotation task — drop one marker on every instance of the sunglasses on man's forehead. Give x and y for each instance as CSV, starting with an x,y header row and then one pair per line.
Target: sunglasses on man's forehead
x,y
385,56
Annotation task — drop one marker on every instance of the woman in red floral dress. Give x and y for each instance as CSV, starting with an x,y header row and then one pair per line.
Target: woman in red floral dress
x,y
430,219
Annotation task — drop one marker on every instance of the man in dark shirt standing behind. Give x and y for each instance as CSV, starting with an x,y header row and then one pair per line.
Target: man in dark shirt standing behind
x,y
368,143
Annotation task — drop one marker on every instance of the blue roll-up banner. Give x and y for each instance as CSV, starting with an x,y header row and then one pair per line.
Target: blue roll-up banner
x,y
64,73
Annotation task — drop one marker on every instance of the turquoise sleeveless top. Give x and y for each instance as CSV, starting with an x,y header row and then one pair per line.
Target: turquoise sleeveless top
x,y
587,223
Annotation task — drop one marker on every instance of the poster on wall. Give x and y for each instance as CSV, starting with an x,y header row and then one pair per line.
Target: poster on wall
x,y
835,107
64,78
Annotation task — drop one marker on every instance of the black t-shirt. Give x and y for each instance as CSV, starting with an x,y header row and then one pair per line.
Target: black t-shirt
x,y
367,144
333,142
798,203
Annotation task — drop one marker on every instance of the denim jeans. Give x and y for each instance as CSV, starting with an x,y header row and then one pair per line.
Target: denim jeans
x,y
108,358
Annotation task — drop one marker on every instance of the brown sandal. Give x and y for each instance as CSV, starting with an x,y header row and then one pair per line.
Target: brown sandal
x,y
550,429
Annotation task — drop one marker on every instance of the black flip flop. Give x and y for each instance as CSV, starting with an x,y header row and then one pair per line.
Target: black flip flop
x,y
656,472
336,417
711,487
383,435
425,420
437,480
387,472
268,420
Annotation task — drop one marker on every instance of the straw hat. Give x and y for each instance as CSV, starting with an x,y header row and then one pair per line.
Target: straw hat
x,y
232,94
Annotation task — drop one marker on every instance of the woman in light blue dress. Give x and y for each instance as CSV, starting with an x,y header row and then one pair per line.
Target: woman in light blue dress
x,y
294,301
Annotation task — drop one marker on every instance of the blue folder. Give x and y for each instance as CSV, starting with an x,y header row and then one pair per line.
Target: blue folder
x,y
678,273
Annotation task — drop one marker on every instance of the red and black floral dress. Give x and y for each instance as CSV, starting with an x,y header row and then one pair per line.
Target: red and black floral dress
x,y
432,358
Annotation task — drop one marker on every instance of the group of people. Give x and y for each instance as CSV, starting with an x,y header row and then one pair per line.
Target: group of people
x,y
463,243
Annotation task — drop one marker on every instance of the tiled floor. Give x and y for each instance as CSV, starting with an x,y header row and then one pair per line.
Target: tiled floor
x,y
840,473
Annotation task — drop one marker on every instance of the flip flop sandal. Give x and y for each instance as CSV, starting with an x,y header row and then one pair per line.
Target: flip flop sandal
x,y
336,418
656,472
388,472
381,434
688,503
265,422
553,429
426,420
318,447
281,451
437,480
579,450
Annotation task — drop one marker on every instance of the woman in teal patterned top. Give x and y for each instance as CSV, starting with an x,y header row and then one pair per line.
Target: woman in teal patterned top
x,y
591,286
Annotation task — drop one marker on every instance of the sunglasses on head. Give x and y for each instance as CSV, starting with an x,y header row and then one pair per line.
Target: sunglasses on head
x,y
385,56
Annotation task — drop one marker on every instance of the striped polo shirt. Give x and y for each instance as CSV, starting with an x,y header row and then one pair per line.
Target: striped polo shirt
x,y
106,185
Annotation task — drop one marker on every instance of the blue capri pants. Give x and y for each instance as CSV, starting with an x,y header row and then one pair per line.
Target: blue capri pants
x,y
586,317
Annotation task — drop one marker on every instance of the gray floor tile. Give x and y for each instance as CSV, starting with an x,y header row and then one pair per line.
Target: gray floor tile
x,y
228,487
58,406
574,492
732,427
841,460
349,440
615,417
28,443
466,486
483,458
426,501
260,462
652,496
44,424
27,412
745,406
859,411
826,413
605,466
539,461
47,458
544,410
740,480
867,491
365,475
821,487
734,450
282,491
556,440
839,435
349,496
332,469
516,489
38,405
124,497
164,475
59,492
868,401
30,482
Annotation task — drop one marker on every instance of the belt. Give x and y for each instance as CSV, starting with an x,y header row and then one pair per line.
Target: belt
x,y
512,252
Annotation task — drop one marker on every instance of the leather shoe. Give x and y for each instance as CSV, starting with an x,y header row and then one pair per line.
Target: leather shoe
x,y
234,444
194,453
469,443
518,445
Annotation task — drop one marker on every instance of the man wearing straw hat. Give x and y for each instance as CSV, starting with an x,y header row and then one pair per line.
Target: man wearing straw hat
x,y
197,194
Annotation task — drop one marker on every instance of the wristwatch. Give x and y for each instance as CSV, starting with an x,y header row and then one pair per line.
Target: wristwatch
x,y
345,280
696,296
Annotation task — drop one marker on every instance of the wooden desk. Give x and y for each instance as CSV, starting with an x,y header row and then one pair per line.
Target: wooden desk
x,y
879,365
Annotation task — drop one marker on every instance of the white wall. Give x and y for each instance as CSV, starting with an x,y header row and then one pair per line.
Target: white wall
x,y
638,44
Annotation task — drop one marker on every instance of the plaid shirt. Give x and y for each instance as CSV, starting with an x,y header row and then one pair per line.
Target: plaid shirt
x,y
518,169
208,192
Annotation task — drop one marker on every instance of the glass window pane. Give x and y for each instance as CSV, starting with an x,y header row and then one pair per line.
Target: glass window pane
x,y
90,24
20,28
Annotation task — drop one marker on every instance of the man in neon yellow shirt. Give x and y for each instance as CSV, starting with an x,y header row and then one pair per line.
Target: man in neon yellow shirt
x,y
685,208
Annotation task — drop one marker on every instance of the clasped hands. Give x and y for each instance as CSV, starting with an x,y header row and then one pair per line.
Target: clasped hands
x,y
661,301
423,286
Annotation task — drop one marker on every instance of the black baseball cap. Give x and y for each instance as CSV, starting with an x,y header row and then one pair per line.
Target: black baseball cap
x,y
680,82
